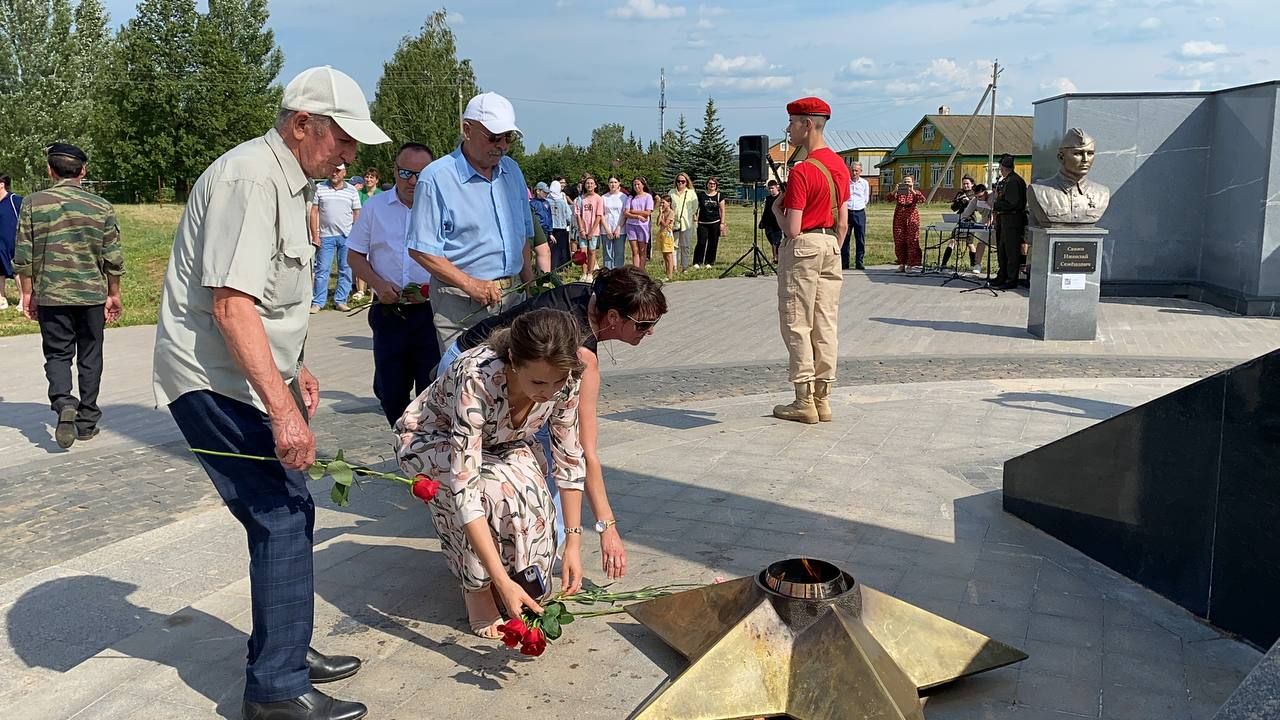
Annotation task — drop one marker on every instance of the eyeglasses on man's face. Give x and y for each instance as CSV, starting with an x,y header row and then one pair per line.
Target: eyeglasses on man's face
x,y
404,174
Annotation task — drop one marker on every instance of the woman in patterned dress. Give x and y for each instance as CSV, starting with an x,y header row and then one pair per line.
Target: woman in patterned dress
x,y
473,429
906,224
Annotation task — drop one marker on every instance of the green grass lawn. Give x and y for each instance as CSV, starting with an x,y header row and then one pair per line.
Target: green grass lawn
x,y
147,232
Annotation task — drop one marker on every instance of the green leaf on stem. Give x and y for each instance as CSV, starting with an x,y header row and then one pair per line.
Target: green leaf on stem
x,y
551,627
316,471
565,617
339,495
554,609
341,472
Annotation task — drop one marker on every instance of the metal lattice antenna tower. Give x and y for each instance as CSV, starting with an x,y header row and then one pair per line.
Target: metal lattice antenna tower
x,y
662,103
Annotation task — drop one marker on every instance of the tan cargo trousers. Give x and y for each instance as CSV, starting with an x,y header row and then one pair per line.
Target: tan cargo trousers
x,y
809,281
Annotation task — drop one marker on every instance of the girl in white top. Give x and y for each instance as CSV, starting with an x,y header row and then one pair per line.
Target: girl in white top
x,y
615,233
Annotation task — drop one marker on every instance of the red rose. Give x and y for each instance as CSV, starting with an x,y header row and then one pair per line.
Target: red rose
x,y
513,632
580,257
424,488
533,642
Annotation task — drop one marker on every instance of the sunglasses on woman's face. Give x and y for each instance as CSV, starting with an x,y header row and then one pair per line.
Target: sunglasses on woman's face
x,y
643,325
680,181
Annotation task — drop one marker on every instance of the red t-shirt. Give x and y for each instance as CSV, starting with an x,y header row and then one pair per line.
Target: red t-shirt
x,y
807,190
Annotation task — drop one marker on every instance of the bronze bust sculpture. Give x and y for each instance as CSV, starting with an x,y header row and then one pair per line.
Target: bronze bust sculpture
x,y
1069,198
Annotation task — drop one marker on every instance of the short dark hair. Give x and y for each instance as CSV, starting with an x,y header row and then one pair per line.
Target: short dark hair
x,y
979,189
415,146
65,167
771,183
966,177
6,181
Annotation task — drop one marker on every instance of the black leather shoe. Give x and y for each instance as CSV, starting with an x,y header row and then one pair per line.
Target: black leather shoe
x,y
315,705
87,435
65,433
330,668
860,266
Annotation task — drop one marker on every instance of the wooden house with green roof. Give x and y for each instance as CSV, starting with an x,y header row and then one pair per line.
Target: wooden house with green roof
x,y
924,151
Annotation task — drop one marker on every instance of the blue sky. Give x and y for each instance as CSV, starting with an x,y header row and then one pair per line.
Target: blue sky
x,y
570,65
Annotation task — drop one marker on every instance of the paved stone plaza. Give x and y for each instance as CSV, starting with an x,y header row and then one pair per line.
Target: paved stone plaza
x,y
123,583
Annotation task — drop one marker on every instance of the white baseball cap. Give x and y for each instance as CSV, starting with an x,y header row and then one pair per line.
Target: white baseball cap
x,y
493,111
332,93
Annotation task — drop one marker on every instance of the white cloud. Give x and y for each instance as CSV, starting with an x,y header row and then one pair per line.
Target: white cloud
x,y
454,19
862,68
762,82
1200,49
704,24
696,40
1047,12
711,10
1058,86
739,64
647,10
1214,22
816,92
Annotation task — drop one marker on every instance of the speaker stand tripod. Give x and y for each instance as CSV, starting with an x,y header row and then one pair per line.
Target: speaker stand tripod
x,y
986,282
760,264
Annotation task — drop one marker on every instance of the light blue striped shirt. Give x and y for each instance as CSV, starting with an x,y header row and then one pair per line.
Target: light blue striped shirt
x,y
480,226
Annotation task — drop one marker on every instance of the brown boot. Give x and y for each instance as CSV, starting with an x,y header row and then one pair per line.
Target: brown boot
x,y
821,396
802,409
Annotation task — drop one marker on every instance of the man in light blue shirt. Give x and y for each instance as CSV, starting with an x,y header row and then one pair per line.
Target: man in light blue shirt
x,y
470,221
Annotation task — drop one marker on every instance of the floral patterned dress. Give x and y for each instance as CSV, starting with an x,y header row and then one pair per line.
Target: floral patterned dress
x,y
460,431
906,227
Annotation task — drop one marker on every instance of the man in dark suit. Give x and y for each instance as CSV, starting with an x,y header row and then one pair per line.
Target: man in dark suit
x,y
1010,207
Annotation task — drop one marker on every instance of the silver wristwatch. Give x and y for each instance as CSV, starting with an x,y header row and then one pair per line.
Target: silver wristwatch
x,y
602,525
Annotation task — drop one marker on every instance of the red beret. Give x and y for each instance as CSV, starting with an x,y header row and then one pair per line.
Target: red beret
x,y
809,106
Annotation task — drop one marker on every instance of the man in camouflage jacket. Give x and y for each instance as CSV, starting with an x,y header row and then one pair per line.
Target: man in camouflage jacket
x,y
69,261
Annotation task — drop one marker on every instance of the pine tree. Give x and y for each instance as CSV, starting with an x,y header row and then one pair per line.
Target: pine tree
x,y
677,146
419,95
712,154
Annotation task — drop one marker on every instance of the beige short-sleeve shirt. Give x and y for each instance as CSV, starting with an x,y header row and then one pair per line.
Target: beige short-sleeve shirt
x,y
245,228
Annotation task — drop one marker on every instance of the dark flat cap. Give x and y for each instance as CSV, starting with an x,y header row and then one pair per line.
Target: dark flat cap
x,y
1006,161
809,106
66,150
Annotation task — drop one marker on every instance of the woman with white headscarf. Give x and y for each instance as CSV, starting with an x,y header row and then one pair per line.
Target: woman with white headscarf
x,y
561,219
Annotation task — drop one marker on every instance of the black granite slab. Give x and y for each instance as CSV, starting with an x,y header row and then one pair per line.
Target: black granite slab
x,y
1181,494
1258,697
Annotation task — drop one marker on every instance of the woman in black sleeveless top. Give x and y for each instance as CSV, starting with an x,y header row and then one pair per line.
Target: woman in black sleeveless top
x,y
711,224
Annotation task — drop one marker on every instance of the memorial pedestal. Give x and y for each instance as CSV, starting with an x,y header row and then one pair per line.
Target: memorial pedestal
x,y
1066,269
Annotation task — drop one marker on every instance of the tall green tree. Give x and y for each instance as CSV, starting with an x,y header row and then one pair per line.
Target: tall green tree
x,y
420,96
237,64
46,79
677,147
712,154
148,120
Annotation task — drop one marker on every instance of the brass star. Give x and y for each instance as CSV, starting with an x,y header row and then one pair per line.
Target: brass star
x,y
755,653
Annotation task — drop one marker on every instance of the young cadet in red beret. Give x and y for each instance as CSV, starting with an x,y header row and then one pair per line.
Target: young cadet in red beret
x,y
809,276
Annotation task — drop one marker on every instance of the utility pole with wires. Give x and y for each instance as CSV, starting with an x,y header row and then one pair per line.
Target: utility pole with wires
x,y
991,90
662,103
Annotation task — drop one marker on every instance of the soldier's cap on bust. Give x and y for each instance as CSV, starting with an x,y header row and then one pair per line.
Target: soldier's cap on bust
x,y
1076,138
66,150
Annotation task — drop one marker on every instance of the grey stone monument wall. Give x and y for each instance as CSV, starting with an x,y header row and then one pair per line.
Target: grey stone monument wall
x,y
1194,179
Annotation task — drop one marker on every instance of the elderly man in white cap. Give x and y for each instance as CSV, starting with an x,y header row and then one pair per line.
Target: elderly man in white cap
x,y
471,220
228,363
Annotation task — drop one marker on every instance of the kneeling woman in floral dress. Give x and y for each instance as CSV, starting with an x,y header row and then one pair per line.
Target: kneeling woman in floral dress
x,y
473,429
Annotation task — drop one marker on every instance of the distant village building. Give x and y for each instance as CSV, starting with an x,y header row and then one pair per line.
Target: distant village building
x,y
924,151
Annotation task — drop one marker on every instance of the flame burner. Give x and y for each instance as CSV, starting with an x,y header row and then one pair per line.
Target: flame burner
x,y
803,639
